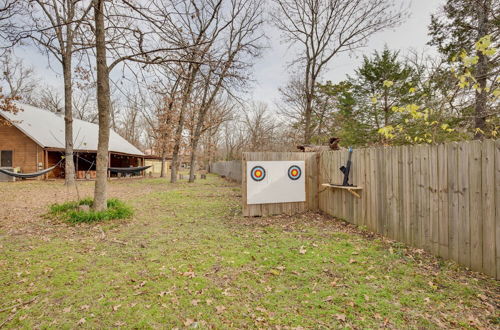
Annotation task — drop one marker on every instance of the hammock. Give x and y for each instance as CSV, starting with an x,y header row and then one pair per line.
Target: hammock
x,y
128,169
27,175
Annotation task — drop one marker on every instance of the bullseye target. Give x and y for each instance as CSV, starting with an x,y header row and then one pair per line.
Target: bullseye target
x,y
275,181
294,172
258,173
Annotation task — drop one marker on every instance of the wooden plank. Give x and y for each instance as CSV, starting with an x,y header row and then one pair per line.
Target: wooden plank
x,y
443,200
488,200
475,209
382,188
396,216
425,214
407,193
400,197
463,202
434,200
453,207
497,203
416,207
389,193
374,190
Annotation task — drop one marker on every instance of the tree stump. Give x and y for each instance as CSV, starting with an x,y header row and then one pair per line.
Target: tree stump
x,y
203,176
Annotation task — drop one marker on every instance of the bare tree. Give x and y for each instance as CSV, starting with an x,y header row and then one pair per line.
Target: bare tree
x,y
260,127
128,32
50,99
228,62
19,78
53,26
325,28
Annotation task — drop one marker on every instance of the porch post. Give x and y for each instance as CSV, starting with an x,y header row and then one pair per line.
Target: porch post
x,y
46,162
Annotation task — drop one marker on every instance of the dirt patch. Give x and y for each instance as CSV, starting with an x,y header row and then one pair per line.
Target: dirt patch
x,y
24,204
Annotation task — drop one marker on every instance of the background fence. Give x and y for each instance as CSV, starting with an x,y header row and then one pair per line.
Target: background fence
x,y
230,169
442,198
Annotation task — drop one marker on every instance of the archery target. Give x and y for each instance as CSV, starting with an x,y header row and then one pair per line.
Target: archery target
x,y
294,172
258,173
275,182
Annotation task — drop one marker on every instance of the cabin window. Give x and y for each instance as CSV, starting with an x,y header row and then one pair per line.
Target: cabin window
x,y
6,158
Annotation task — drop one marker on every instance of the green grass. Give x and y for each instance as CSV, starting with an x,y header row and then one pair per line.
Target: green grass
x,y
188,258
69,211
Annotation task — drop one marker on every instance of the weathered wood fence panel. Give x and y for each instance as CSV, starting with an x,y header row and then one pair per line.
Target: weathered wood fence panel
x,y
311,172
444,199
229,169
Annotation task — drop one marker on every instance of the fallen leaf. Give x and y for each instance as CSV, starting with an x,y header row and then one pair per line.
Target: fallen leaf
x,y
115,308
220,309
189,274
81,321
195,302
302,250
274,272
188,322
67,309
209,301
329,298
85,307
482,297
340,317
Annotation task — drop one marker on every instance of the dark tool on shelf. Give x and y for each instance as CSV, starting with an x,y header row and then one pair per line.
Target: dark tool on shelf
x,y
346,169
345,183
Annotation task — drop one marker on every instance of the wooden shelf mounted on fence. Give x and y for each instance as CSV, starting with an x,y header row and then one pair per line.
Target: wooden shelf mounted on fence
x,y
350,189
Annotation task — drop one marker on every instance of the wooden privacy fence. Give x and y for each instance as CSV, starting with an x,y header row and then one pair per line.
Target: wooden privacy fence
x,y
229,169
442,198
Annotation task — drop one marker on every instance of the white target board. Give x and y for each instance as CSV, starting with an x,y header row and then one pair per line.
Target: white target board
x,y
275,182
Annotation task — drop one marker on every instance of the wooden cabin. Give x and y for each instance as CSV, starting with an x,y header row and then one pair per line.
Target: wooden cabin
x,y
34,140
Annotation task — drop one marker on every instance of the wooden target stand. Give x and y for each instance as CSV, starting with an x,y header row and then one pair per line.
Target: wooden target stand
x,y
351,189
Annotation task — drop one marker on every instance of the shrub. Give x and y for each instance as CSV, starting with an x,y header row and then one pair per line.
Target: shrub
x,y
70,211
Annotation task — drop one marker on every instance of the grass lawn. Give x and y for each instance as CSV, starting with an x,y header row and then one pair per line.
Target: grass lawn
x,y
187,258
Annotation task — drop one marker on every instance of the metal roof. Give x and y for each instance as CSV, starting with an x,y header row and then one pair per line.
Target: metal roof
x,y
47,130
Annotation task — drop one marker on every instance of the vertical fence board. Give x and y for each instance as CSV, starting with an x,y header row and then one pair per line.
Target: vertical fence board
x,y
475,209
443,200
434,199
496,177
417,198
406,191
488,200
425,210
463,202
453,201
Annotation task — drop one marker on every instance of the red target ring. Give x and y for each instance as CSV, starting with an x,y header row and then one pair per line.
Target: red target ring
x,y
294,172
258,173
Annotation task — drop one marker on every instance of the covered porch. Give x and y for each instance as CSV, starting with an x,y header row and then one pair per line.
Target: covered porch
x,y
85,163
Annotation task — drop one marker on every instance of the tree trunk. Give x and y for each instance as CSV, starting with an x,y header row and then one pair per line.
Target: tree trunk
x,y
481,74
192,166
163,165
69,176
103,106
180,124
177,147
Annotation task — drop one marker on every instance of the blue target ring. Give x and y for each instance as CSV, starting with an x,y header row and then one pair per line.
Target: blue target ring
x,y
294,172
258,173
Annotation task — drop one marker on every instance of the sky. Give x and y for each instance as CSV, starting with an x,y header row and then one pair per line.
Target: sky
x,y
271,70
